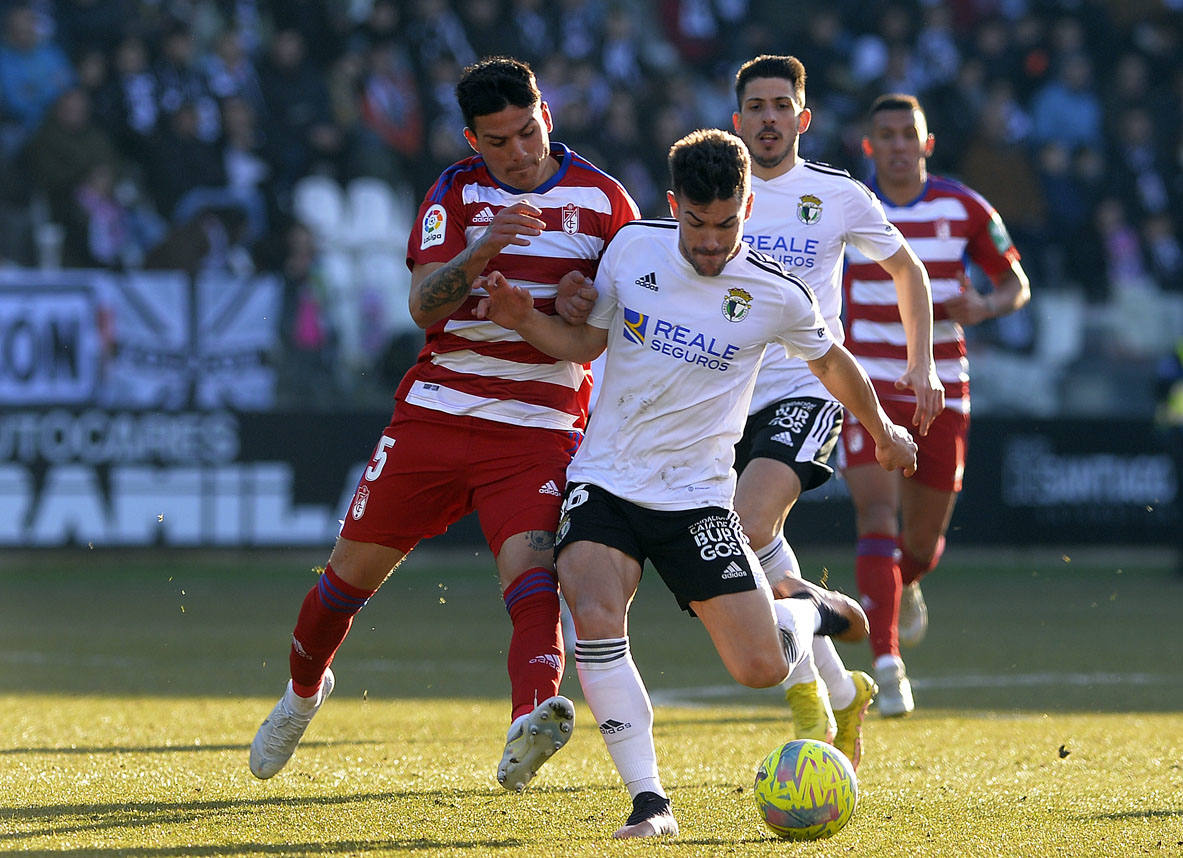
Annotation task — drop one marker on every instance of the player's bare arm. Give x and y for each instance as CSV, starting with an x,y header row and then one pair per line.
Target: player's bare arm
x,y
848,382
971,307
512,307
437,289
914,296
575,298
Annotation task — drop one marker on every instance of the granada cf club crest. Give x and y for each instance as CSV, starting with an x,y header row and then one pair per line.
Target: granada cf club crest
x,y
809,209
737,305
571,219
360,499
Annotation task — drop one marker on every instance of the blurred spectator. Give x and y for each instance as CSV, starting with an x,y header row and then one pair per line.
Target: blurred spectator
x,y
65,149
231,73
1067,109
307,365
134,97
299,129
1137,170
210,241
109,227
244,159
391,133
532,34
1164,252
179,81
435,33
33,73
178,143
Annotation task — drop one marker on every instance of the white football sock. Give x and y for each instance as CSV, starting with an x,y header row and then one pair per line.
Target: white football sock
x,y
778,561
620,704
798,617
833,672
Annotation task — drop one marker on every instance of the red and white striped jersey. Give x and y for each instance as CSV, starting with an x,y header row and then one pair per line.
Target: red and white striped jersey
x,y
945,225
474,367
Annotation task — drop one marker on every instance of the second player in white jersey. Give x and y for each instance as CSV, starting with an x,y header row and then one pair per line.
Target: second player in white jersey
x,y
804,218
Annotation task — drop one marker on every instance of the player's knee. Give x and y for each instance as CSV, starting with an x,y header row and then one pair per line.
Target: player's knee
x,y
760,671
597,620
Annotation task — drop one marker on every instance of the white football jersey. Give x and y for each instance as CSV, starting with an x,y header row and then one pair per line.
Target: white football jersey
x,y
680,366
804,219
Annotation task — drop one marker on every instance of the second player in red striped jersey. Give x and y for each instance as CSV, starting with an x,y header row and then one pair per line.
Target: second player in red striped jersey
x,y
902,523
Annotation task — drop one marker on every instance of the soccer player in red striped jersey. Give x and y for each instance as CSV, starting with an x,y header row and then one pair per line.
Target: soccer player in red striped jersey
x,y
902,523
483,421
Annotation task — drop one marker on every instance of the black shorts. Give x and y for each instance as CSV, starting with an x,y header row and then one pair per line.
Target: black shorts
x,y
699,553
799,432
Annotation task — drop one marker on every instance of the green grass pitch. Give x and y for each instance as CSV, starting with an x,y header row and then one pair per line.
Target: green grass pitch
x,y
1049,719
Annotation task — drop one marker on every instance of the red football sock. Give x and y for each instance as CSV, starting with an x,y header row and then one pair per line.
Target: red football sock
x,y
536,655
324,621
912,570
877,574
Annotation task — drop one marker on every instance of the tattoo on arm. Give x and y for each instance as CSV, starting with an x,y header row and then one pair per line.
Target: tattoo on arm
x,y
540,540
447,285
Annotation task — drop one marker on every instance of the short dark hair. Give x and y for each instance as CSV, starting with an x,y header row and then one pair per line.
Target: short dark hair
x,y
768,65
493,84
895,101
708,165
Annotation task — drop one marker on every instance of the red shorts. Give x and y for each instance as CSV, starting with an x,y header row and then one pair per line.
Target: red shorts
x,y
430,470
940,457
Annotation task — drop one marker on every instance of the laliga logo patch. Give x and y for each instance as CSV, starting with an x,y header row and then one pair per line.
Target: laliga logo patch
x,y
571,219
435,219
360,499
809,209
737,305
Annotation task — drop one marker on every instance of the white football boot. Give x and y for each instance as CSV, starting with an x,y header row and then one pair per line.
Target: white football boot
x,y
895,692
913,615
532,740
279,734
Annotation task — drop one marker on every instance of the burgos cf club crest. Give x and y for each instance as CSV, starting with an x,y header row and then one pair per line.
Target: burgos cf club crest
x,y
634,326
809,209
737,305
571,219
435,220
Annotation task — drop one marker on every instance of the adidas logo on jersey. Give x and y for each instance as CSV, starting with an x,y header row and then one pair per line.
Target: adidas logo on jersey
x,y
648,281
549,488
785,438
485,215
733,570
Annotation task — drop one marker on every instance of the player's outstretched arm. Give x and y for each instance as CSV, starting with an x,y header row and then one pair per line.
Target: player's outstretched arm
x,y
843,377
438,288
512,307
914,297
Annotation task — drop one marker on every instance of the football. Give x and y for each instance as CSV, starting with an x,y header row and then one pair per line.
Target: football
x,y
806,790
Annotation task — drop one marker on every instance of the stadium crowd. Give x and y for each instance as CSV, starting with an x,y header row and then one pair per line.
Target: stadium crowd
x,y
175,133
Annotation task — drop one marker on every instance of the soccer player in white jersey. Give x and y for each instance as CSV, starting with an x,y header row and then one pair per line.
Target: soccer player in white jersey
x,y
805,214
684,309
483,421
902,523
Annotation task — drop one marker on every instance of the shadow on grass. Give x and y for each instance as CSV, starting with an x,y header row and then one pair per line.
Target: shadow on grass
x,y
337,847
164,749
111,816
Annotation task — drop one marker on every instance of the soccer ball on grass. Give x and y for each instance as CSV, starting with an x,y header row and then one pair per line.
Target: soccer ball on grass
x,y
806,790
